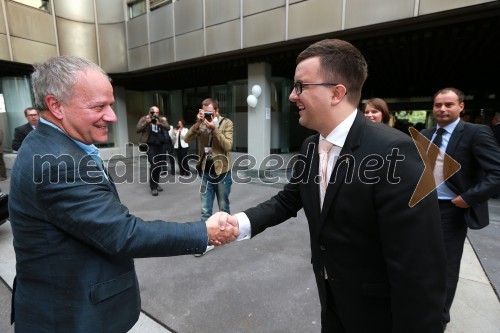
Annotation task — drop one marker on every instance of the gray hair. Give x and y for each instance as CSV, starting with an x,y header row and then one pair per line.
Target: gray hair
x,y
57,76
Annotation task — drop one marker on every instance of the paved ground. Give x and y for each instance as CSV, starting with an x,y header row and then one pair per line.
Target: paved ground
x,y
262,285
486,243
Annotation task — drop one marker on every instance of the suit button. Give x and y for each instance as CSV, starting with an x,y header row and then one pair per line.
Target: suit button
x,y
322,248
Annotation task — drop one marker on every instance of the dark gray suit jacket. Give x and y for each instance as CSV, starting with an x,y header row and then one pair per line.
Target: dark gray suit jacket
x,y
20,133
385,261
75,242
476,150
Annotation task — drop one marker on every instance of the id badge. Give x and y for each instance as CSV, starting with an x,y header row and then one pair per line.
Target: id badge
x,y
208,150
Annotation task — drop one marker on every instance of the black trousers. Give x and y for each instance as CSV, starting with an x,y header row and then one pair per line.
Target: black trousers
x,y
454,232
156,160
3,170
182,161
169,156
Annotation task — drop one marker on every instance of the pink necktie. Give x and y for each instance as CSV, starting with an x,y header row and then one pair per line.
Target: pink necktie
x,y
323,149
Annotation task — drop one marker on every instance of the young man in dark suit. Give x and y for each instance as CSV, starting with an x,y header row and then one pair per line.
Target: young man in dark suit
x,y
74,240
463,198
22,131
379,262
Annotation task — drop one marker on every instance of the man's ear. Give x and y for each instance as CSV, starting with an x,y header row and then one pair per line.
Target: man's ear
x,y
54,106
339,91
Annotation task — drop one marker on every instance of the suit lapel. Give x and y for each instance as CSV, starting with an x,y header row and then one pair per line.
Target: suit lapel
x,y
455,138
428,133
343,164
313,183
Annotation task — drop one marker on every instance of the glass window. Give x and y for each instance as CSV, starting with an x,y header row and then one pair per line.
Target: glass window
x,y
40,4
136,7
153,4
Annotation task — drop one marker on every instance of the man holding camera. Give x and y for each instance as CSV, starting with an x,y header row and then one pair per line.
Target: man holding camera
x,y
153,129
214,166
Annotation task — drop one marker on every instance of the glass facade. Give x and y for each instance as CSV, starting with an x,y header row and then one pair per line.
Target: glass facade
x,y
40,4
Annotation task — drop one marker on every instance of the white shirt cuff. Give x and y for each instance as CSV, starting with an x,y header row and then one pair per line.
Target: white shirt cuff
x,y
244,226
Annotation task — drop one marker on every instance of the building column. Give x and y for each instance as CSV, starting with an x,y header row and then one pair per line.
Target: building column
x,y
17,97
121,126
259,118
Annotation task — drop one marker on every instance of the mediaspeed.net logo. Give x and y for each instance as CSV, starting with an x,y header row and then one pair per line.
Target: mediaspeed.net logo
x,y
428,152
63,168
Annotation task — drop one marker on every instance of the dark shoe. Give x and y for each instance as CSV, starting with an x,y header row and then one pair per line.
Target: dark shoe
x,y
3,178
154,192
159,188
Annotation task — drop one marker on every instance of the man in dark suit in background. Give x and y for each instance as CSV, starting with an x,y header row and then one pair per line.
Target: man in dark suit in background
x,y
22,131
463,199
74,241
495,126
379,263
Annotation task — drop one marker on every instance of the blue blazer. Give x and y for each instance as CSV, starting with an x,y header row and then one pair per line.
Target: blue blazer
x,y
75,242
475,149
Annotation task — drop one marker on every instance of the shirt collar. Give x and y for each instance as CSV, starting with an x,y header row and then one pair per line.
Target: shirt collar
x,y
339,133
450,127
88,149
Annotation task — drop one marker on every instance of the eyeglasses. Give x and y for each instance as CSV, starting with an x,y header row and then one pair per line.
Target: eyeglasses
x,y
299,86
32,115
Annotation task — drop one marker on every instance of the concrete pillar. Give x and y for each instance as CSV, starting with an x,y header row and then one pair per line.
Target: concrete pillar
x,y
120,127
259,118
17,97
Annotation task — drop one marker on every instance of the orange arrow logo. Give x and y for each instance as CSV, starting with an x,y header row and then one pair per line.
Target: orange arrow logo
x,y
427,183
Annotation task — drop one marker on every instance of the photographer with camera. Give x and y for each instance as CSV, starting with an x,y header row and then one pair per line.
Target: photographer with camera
x,y
153,129
215,135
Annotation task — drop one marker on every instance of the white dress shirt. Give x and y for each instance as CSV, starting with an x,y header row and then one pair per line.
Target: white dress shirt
x,y
337,137
443,191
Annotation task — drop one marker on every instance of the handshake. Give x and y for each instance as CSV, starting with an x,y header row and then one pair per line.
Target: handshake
x,y
222,228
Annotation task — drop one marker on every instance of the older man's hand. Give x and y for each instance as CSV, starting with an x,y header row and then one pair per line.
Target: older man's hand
x,y
222,228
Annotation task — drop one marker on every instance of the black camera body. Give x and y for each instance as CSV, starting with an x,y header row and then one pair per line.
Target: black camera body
x,y
208,115
154,119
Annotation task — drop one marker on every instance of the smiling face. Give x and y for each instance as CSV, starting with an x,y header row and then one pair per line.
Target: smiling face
x,y
447,108
373,114
314,102
87,115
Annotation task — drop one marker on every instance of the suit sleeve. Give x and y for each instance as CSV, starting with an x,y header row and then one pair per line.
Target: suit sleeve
x,y
18,139
192,133
223,136
412,245
84,206
283,205
141,125
486,153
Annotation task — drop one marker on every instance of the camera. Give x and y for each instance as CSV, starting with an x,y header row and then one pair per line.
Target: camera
x,y
154,118
208,115
177,127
